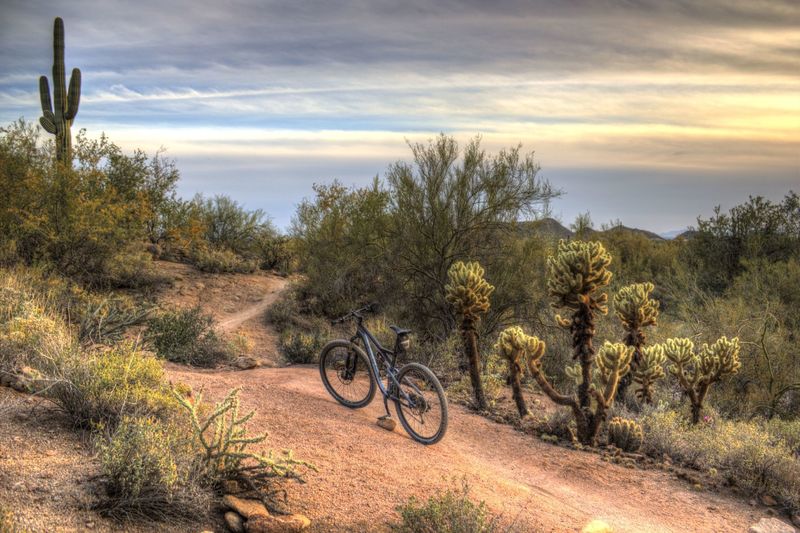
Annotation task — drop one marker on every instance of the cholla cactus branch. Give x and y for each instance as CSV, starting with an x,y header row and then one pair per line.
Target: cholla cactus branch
x,y
697,372
613,362
636,310
468,292
515,346
649,370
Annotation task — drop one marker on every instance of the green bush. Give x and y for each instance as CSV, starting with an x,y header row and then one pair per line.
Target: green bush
x,y
151,472
101,387
301,347
221,261
285,312
449,511
187,336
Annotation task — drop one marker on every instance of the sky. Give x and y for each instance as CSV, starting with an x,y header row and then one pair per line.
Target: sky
x,y
650,112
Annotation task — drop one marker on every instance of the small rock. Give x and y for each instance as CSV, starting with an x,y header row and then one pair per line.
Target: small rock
x,y
597,526
771,525
245,362
234,522
768,500
89,524
387,422
277,524
247,508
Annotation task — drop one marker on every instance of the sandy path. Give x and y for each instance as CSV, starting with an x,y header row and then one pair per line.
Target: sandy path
x,y
365,471
231,322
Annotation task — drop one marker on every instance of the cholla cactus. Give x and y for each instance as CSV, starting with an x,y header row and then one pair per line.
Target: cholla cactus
x,y
697,372
57,119
649,370
468,292
578,271
224,441
636,310
516,346
625,434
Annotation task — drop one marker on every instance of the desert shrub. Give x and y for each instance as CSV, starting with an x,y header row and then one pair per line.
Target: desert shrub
x,y
461,391
187,336
744,454
448,511
151,472
284,312
558,423
132,268
302,347
103,386
788,431
220,261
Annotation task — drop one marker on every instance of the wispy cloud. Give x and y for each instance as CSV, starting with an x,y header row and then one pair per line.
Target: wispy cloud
x,y
696,93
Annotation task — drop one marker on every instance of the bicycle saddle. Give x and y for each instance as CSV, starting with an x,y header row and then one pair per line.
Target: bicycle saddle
x,y
399,331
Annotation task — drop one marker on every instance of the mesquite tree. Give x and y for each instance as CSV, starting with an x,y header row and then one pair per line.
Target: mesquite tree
x,y
696,372
577,273
469,293
636,310
516,347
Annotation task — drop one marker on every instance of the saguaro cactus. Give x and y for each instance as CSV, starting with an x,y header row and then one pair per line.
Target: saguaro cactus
x,y
697,372
636,310
516,347
468,292
57,119
577,273
649,370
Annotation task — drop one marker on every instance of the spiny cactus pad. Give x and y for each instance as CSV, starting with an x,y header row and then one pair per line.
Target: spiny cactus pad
x,y
576,271
634,307
625,434
467,291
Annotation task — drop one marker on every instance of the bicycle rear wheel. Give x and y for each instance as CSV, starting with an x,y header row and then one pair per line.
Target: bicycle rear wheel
x,y
421,404
346,373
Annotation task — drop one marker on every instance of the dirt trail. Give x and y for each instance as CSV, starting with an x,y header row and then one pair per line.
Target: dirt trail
x,y
365,471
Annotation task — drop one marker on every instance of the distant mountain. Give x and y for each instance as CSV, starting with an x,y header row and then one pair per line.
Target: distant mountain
x,y
673,233
547,227
552,228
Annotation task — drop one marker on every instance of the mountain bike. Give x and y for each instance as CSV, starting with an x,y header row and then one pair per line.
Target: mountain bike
x,y
352,373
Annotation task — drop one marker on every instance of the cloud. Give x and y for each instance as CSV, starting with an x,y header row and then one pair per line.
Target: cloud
x,y
702,92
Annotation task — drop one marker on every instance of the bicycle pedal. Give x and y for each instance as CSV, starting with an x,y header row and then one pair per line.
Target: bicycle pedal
x,y
387,422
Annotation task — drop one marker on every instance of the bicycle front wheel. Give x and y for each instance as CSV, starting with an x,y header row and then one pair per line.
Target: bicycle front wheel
x,y
346,373
421,404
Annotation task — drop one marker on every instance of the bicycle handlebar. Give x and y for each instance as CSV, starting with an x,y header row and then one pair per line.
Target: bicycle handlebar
x,y
369,308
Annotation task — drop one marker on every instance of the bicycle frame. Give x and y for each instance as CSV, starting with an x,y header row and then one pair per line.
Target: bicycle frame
x,y
369,340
